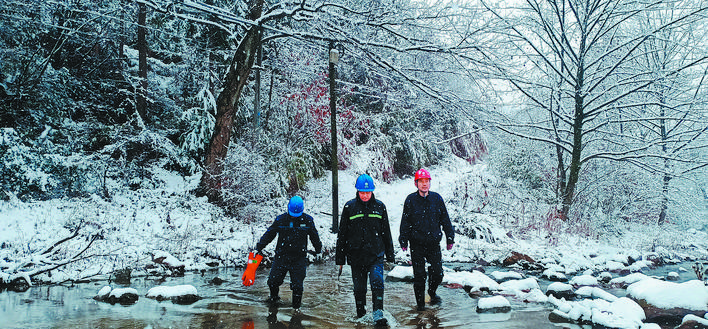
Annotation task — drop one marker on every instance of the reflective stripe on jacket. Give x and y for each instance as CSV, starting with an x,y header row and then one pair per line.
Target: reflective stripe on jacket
x,y
364,233
292,236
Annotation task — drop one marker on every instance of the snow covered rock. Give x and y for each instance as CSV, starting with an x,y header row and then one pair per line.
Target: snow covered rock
x,y
494,304
506,276
123,296
669,301
533,296
621,313
605,277
517,286
521,260
673,276
472,281
584,280
624,281
561,290
183,294
169,262
594,293
401,273
554,276
691,321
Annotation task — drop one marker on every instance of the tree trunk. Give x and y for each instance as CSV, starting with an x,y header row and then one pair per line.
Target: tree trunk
x,y
575,165
664,199
257,96
141,101
667,177
574,172
236,79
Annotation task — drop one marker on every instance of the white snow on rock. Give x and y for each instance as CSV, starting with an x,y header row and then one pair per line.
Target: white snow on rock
x,y
401,273
595,292
502,276
584,280
165,292
559,287
621,313
103,293
517,286
474,279
492,303
692,295
119,292
168,260
629,279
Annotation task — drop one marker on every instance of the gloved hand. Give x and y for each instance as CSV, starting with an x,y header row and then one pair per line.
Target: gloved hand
x,y
449,246
249,275
404,249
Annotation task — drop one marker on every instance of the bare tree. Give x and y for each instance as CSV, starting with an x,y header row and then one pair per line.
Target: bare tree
x,y
674,111
576,63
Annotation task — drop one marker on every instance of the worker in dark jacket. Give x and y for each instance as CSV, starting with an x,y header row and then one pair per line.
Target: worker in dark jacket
x,y
424,213
363,241
293,228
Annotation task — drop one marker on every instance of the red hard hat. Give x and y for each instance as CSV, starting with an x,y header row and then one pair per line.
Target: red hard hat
x,y
421,173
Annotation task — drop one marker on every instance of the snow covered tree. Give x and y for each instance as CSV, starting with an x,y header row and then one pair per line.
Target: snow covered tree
x,y
575,61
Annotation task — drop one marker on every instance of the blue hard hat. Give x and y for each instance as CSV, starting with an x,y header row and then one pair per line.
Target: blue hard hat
x,y
295,206
364,183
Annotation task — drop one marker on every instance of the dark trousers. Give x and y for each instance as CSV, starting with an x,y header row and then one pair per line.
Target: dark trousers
x,y
419,255
374,272
297,269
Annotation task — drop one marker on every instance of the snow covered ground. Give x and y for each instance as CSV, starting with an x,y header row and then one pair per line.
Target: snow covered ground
x,y
135,227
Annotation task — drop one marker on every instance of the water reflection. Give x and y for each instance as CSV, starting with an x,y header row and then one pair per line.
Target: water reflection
x,y
327,303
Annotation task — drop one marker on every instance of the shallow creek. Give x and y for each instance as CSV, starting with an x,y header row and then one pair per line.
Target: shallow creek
x,y
328,303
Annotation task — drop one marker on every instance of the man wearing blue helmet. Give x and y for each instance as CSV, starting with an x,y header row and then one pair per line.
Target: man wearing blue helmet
x,y
363,241
292,229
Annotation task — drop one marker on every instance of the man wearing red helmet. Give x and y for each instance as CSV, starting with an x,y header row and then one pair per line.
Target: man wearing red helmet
x,y
424,213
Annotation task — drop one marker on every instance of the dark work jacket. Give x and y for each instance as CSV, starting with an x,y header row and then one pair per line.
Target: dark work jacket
x,y
364,233
292,236
422,219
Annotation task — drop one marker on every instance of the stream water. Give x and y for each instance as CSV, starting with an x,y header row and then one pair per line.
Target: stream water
x,y
328,302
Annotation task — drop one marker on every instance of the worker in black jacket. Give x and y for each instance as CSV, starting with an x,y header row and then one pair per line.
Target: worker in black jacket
x,y
363,241
424,213
293,228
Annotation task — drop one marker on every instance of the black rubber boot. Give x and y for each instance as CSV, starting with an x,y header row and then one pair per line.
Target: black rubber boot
x,y
360,305
297,301
273,299
419,293
434,298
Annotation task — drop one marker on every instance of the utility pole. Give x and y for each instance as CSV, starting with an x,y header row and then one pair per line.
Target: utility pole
x,y
333,59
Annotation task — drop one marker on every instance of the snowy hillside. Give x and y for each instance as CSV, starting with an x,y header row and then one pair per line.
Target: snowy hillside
x,y
137,226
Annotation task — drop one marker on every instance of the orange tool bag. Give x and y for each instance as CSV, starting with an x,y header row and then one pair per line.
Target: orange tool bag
x,y
249,275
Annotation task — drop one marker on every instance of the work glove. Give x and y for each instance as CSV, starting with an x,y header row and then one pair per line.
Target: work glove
x,y
449,246
249,275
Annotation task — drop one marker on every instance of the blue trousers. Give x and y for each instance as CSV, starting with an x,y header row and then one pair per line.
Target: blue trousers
x,y
374,272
